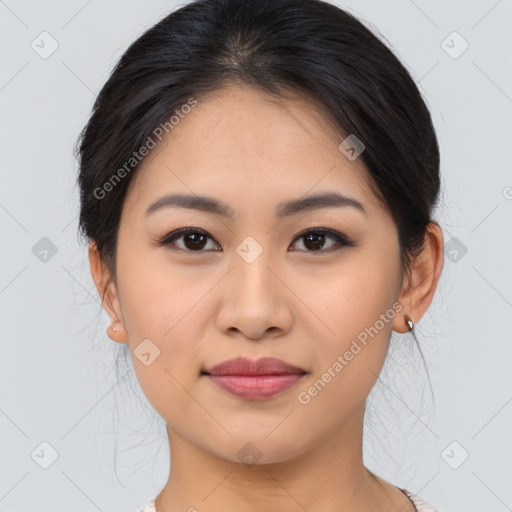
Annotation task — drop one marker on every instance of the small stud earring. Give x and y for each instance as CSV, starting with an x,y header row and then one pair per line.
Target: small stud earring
x,y
409,323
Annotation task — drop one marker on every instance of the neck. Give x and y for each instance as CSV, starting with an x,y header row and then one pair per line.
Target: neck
x,y
329,477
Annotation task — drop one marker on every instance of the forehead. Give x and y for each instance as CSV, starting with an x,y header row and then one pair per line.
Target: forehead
x,y
243,143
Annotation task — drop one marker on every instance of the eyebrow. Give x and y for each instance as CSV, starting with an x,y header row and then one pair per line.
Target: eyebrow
x,y
209,204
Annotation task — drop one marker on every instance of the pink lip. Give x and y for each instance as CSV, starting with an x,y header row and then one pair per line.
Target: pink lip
x,y
255,379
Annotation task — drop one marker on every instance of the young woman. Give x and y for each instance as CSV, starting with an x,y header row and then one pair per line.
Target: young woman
x,y
257,185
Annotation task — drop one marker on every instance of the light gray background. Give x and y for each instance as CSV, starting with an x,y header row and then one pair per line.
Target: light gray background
x,y
58,384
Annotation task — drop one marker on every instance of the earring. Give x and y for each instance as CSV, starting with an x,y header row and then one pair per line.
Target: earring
x,y
409,323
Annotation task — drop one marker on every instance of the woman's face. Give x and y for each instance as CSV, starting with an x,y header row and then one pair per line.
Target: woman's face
x,y
256,284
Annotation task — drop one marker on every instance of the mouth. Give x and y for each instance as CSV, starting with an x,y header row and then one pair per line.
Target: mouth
x,y
255,387
245,366
254,380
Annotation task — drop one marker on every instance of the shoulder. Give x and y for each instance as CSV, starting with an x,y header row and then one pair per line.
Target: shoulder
x,y
149,507
421,506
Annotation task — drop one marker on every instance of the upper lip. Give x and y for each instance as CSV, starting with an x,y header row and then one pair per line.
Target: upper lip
x,y
262,366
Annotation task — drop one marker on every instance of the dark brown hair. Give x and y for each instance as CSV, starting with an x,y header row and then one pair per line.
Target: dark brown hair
x,y
307,46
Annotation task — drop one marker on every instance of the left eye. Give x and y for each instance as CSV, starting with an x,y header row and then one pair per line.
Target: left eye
x,y
316,237
194,240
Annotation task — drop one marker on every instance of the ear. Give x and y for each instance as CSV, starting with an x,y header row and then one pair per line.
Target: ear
x,y
421,282
108,293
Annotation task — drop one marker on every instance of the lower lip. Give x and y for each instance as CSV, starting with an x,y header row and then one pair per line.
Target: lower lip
x,y
255,387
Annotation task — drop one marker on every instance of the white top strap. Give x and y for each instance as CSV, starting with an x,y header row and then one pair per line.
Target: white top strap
x,y
421,506
150,507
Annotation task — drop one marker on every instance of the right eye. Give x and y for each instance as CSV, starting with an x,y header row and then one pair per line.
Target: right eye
x,y
194,240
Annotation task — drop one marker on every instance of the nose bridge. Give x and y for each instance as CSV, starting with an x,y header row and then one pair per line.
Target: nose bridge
x,y
254,299
253,280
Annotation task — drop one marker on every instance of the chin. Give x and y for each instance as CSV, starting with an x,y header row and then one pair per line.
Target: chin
x,y
258,449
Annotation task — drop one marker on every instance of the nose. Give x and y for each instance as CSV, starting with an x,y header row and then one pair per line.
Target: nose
x,y
255,300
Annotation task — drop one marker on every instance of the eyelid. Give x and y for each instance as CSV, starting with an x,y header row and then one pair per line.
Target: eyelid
x,y
340,238
173,235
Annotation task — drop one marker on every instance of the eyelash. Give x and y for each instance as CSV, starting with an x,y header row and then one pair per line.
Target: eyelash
x,y
340,239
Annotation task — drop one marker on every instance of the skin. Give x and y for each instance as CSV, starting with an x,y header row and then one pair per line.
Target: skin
x,y
251,151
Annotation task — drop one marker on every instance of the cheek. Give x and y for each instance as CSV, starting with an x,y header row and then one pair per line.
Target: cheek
x,y
349,361
173,324
157,295
358,306
164,313
354,296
